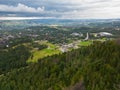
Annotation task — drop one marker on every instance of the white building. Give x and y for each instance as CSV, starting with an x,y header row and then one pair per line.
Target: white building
x,y
77,34
105,34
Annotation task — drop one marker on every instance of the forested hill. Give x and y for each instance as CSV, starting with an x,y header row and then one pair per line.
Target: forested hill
x,y
96,67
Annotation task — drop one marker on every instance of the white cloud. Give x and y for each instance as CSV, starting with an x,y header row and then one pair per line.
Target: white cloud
x,y
93,9
21,8
24,18
76,1
72,9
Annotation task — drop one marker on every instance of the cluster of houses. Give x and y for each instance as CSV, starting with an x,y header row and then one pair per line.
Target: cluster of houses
x,y
4,39
67,47
118,29
32,35
74,45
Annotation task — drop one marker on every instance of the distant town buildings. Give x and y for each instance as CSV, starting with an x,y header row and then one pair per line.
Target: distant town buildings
x,y
67,47
105,34
77,34
101,34
117,28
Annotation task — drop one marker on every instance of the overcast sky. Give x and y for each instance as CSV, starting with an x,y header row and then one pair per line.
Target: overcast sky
x,y
61,9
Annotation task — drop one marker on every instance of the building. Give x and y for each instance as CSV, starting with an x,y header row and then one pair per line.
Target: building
x,y
105,34
77,34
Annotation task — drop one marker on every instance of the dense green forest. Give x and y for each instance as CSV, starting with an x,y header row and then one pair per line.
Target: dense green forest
x,y
13,58
96,67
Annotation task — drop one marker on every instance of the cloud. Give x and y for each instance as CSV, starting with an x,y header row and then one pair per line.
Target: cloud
x,y
21,8
62,9
93,9
24,18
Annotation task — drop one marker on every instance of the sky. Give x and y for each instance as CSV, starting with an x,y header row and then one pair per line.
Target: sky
x,y
59,9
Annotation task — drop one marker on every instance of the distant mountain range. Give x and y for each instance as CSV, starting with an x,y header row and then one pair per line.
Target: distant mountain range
x,y
16,24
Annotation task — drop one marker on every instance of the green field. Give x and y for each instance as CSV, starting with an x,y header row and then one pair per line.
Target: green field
x,y
51,50
38,54
85,43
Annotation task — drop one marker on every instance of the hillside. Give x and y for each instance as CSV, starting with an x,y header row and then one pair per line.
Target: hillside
x,y
95,67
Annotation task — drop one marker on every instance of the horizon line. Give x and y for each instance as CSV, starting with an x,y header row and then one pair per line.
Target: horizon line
x,y
4,18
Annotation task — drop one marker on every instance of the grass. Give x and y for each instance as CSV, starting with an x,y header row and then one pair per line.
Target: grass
x,y
51,50
102,39
38,54
85,43
89,42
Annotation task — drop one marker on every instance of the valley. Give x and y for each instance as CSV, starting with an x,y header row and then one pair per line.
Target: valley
x,y
55,57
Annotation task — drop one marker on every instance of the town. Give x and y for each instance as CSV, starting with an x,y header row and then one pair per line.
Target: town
x,y
63,37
